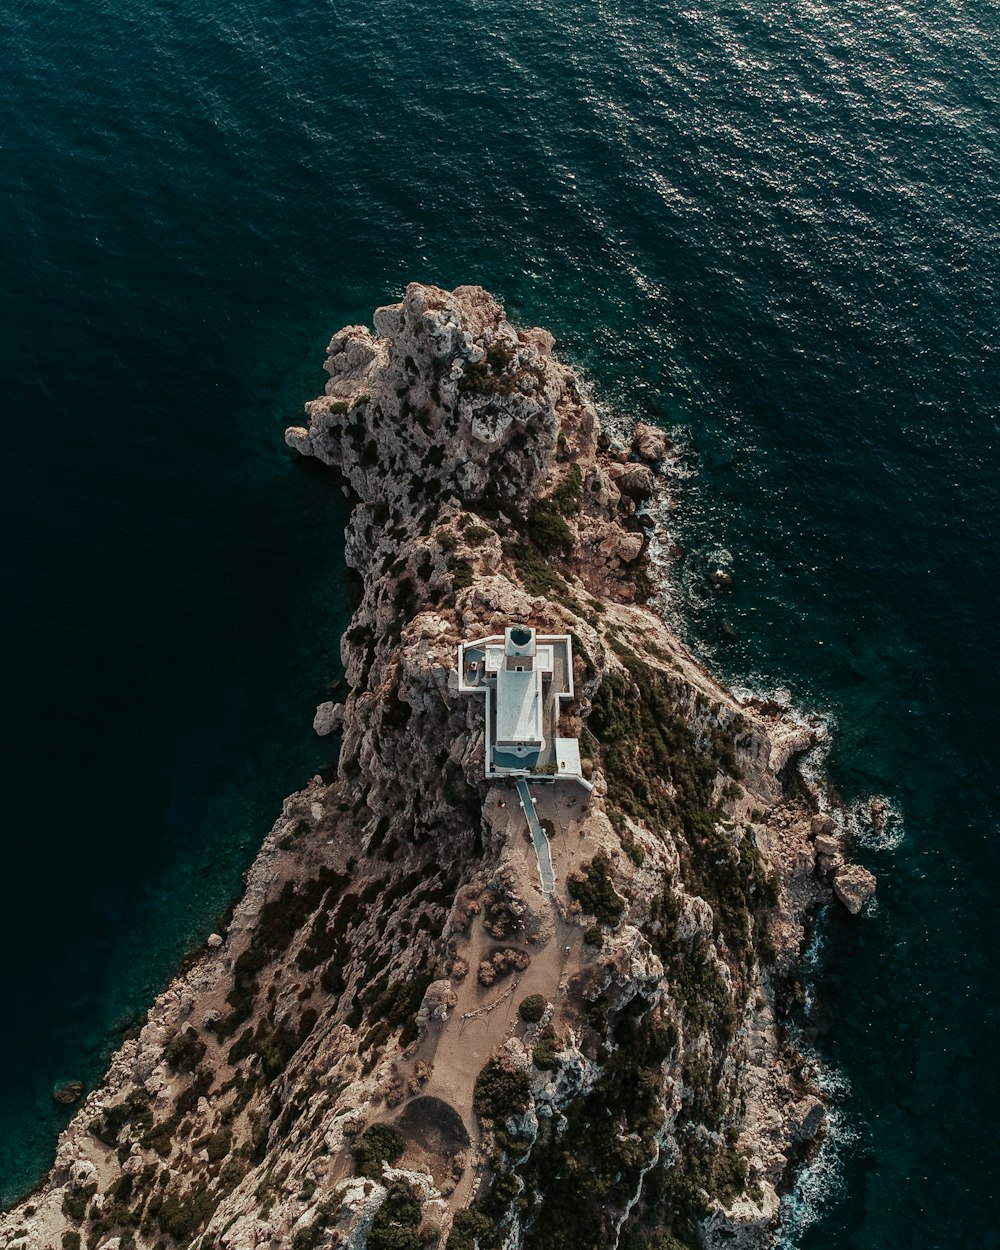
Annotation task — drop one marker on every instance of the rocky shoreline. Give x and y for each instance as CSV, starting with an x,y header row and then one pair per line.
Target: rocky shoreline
x,y
398,1041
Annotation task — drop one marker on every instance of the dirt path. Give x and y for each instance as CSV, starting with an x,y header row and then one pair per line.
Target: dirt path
x,y
485,1017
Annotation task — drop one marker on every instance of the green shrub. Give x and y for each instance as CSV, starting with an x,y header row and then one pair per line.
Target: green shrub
x,y
594,936
176,1218
397,1002
184,1051
233,1171
547,529
470,1227
476,534
378,1144
500,356
70,1240
133,1110
566,495
461,574
500,1092
532,1008
543,1055
580,652
595,894
396,1222
535,574
218,1146
479,379
275,1050
161,1136
74,1203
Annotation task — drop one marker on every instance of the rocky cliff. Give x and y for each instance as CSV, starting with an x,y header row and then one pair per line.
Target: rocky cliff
x,y
399,1041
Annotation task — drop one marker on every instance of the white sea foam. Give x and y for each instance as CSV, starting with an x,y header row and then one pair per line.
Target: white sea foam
x,y
876,823
819,1184
822,1181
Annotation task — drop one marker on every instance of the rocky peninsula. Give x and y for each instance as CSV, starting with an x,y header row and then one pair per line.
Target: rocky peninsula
x,y
399,1041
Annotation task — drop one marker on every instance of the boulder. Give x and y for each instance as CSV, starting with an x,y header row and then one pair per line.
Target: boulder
x,y
807,1118
439,1000
69,1093
299,439
634,480
622,545
82,1174
540,339
854,886
878,813
650,444
328,719
825,845
821,826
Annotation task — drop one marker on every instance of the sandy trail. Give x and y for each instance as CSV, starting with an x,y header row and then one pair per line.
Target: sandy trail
x,y
485,1017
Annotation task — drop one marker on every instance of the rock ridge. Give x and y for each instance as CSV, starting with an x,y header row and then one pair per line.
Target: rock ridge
x,y
399,1041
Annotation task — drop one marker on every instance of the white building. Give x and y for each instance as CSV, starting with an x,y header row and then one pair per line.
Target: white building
x,y
525,677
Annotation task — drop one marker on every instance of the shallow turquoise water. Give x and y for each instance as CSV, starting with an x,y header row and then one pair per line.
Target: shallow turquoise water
x,y
770,226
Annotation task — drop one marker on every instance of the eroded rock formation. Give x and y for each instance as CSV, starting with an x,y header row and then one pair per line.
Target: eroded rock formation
x,y
347,1064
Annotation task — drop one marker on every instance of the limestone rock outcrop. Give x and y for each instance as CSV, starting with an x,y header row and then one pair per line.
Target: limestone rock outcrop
x,y
335,1067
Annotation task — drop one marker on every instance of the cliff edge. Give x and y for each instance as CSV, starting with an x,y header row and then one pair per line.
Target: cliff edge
x,y
406,1037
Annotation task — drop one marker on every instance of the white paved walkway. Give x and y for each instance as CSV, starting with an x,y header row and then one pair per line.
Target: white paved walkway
x,y
541,843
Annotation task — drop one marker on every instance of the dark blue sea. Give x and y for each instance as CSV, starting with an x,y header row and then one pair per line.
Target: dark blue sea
x,y
771,227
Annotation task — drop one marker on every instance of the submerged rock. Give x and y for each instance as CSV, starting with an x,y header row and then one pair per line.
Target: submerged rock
x,y
69,1093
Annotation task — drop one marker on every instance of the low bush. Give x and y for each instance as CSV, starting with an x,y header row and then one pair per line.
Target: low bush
x,y
566,495
396,1222
532,1008
543,1055
547,529
535,574
218,1146
378,1144
595,893
470,1227
500,1092
133,1110
396,1003
461,574
184,1051
74,1203
181,1215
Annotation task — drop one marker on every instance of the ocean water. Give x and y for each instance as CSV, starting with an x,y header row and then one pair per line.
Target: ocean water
x,y
769,227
